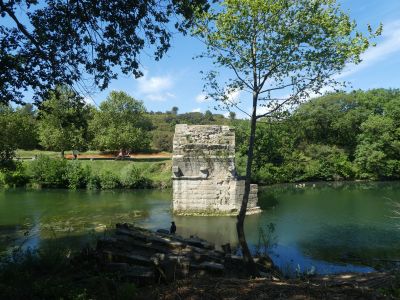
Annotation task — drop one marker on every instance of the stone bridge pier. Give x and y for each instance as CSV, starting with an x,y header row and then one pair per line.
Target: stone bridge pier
x,y
204,176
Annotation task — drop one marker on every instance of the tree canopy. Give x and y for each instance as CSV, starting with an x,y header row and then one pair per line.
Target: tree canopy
x,y
120,123
63,121
60,42
278,52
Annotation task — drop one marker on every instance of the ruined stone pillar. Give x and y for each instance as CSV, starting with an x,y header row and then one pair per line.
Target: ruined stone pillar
x,y
204,176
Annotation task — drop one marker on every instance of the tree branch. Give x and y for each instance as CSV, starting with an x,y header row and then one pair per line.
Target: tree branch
x,y
239,77
20,26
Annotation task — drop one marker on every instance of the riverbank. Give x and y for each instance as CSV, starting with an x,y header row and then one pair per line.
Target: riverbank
x,y
48,171
107,272
342,286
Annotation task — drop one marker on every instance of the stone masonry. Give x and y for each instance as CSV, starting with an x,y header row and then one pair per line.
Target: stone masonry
x,y
204,176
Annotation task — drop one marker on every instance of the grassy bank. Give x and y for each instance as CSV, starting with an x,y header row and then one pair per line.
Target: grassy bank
x,y
48,170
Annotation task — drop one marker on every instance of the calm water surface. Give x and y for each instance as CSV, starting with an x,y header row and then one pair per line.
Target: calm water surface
x,y
326,227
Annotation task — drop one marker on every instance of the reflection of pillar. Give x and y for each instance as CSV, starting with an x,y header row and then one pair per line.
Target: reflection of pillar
x,y
217,230
203,173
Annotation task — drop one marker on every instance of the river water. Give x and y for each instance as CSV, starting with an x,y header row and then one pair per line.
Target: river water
x,y
323,228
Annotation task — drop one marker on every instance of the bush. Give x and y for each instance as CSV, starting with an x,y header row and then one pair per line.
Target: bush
x,y
93,182
109,180
162,140
132,178
49,172
76,175
15,178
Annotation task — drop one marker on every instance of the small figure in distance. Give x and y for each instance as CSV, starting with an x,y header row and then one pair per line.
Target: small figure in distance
x,y
172,230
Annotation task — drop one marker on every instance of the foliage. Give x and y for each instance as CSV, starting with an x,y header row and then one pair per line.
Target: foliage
x,y
25,127
131,178
339,136
162,140
121,124
272,48
76,175
93,182
48,43
48,172
8,143
14,178
109,180
266,240
63,121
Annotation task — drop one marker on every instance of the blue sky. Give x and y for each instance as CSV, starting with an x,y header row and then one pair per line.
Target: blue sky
x,y
176,79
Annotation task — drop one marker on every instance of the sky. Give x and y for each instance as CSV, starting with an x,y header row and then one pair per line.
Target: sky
x,y
176,79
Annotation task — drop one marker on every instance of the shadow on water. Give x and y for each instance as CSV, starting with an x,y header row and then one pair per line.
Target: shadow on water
x,y
360,245
268,200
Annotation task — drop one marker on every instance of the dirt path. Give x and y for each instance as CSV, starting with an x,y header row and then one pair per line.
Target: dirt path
x,y
113,156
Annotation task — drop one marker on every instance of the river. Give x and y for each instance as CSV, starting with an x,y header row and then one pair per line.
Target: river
x,y
323,228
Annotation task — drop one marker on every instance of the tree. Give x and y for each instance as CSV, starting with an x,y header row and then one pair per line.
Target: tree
x,y
279,52
8,143
232,115
54,42
63,121
378,151
26,127
208,116
174,110
121,124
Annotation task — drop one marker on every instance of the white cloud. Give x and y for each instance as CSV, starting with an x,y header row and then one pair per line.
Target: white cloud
x,y
202,98
390,44
156,88
89,100
233,96
196,110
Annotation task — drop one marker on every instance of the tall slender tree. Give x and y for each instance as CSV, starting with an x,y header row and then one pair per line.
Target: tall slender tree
x,y
278,52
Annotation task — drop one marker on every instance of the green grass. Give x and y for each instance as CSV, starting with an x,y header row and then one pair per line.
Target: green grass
x,y
32,153
158,170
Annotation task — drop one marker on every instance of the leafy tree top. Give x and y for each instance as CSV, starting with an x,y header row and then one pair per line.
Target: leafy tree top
x,y
51,42
280,51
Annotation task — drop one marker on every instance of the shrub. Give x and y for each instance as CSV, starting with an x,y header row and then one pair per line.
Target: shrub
x,y
49,172
162,140
2,178
131,178
93,182
109,180
76,175
15,178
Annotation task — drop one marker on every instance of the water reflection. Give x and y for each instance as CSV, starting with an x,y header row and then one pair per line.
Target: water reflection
x,y
325,226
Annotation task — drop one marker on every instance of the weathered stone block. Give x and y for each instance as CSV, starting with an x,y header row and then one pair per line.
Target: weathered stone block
x,y
204,175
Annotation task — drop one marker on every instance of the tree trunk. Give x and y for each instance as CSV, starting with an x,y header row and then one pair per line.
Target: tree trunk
x,y
62,154
247,257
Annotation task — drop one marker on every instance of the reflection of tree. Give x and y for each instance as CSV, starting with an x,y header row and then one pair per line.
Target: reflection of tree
x,y
353,244
267,200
